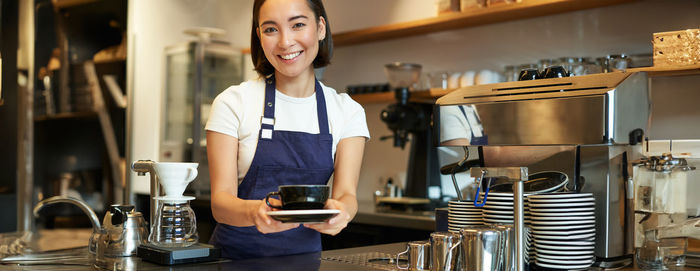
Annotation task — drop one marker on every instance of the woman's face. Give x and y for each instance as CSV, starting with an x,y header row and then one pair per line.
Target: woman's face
x,y
289,35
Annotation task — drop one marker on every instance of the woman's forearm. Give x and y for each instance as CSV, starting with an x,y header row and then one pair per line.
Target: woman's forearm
x,y
231,210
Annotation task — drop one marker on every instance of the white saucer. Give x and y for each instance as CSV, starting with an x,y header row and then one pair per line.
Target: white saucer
x,y
565,267
587,236
562,210
565,232
566,257
562,228
560,253
168,199
567,218
565,214
567,222
533,200
457,211
564,204
561,195
560,248
303,216
562,265
566,243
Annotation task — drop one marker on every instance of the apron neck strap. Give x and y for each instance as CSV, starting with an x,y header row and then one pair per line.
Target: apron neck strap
x,y
269,111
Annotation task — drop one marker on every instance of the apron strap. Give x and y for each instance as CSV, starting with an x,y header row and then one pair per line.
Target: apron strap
x,y
321,110
268,120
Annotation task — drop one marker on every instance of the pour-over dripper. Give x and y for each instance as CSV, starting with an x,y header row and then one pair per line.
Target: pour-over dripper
x,y
175,176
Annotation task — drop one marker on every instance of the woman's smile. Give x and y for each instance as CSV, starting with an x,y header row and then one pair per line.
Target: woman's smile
x,y
291,56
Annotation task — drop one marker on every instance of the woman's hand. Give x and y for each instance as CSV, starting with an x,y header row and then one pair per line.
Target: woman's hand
x,y
264,223
334,225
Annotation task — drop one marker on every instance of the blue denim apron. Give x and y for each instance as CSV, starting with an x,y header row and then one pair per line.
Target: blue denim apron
x,y
475,141
281,158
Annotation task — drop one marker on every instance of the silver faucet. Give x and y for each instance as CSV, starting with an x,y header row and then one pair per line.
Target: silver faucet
x,y
141,167
96,227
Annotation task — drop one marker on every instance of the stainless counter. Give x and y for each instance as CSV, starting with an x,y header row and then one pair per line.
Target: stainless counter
x,y
367,213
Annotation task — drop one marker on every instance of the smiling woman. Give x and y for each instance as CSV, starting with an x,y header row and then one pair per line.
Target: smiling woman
x,y
284,128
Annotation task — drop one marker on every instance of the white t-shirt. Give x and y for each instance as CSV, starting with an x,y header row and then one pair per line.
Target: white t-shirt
x,y
237,111
454,124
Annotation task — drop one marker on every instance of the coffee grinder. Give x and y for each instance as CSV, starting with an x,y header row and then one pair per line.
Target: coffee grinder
x,y
173,238
406,118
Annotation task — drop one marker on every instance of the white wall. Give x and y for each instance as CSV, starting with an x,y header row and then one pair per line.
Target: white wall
x,y
153,25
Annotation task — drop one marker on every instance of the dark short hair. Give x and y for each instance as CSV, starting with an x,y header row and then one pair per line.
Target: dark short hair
x,y
325,46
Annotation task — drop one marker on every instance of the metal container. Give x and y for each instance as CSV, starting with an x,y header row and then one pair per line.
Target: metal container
x,y
443,255
483,248
418,253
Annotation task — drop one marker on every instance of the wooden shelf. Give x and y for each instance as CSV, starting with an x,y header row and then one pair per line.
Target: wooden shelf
x,y
669,70
473,17
68,115
425,96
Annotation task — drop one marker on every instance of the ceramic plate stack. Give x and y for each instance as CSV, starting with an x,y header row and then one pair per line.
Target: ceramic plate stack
x,y
461,214
563,230
499,210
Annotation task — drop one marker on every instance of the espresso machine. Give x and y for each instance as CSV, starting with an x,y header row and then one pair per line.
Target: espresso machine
x,y
587,127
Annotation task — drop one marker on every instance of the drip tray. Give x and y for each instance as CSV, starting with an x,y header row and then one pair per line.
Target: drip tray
x,y
377,260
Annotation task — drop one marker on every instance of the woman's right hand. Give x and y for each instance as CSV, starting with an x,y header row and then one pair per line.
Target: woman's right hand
x,y
264,223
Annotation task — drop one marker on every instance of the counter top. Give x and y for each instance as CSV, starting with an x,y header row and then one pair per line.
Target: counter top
x,y
367,213
315,261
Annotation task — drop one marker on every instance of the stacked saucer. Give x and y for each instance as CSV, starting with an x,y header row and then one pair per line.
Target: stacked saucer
x,y
563,230
499,210
461,214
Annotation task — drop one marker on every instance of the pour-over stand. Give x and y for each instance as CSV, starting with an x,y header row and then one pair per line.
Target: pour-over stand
x,y
169,255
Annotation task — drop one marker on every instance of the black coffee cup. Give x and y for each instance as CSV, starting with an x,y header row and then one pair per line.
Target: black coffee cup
x,y
529,74
300,197
554,72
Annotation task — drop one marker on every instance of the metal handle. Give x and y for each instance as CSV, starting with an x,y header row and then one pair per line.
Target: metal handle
x,y
398,262
448,259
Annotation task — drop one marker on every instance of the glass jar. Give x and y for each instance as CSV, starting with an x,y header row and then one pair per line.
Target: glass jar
x,y
175,225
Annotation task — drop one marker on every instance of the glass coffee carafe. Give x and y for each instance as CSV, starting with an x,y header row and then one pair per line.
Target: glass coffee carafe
x,y
175,225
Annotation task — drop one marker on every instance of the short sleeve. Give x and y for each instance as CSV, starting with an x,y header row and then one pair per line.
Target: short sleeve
x,y
453,124
225,114
356,122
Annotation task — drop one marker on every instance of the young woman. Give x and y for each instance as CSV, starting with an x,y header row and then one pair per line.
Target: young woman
x,y
283,128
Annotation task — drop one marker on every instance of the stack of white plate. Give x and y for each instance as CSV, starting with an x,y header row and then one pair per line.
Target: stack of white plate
x,y
499,210
461,214
563,230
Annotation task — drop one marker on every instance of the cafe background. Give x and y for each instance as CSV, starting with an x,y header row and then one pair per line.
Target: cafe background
x,y
151,26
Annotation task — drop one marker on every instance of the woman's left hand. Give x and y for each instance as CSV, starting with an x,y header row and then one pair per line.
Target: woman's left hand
x,y
334,225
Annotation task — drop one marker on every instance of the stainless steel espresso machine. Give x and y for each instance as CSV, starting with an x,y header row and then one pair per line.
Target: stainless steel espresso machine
x,y
587,127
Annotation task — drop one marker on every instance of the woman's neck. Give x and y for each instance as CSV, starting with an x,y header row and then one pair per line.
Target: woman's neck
x,y
299,86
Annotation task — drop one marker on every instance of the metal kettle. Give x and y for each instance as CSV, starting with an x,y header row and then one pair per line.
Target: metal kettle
x,y
123,230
